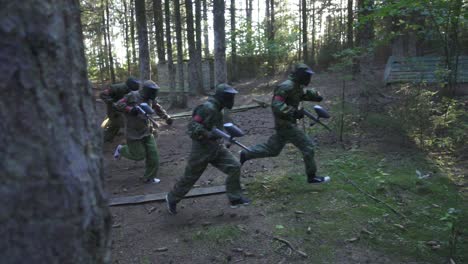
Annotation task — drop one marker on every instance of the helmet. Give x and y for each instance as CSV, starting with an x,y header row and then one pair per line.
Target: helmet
x,y
133,83
302,74
225,94
150,90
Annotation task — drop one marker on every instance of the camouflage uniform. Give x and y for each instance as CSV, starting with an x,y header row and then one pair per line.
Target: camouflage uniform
x,y
114,119
285,102
140,140
206,150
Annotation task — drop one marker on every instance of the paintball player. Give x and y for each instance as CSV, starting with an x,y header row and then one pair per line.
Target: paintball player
x,y
115,92
207,148
140,140
285,103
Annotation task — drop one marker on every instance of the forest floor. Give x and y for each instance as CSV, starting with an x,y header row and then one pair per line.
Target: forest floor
x,y
376,209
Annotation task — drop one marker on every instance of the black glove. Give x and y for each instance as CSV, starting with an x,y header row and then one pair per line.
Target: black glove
x,y
169,121
319,98
298,114
134,111
211,136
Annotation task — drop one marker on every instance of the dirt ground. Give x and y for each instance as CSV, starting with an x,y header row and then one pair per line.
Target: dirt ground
x,y
146,233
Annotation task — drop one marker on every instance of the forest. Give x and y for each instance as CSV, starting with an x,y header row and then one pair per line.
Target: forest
x,y
157,131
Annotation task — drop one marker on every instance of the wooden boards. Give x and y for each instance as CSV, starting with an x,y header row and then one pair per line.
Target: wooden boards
x,y
162,196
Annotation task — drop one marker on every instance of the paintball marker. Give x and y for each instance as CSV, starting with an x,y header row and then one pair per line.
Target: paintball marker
x,y
321,113
146,110
232,132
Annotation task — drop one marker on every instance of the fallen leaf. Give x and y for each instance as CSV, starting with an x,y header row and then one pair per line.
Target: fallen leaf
x,y
353,239
279,226
299,212
400,226
161,249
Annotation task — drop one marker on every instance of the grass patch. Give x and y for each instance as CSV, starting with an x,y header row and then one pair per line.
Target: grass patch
x,y
217,234
338,212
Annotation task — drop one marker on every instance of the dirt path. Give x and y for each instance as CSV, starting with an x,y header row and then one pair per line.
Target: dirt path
x,y
206,230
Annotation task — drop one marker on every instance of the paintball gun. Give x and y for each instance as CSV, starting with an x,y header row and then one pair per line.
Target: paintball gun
x,y
147,111
232,132
321,113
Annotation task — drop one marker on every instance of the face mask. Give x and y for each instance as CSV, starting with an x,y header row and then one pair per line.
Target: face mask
x,y
228,100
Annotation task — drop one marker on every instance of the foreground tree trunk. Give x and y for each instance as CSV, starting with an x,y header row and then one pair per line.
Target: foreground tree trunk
x,y
219,42
143,48
53,208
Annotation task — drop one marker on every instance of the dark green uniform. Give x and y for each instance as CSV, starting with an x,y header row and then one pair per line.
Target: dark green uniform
x,y
139,132
207,150
285,102
114,120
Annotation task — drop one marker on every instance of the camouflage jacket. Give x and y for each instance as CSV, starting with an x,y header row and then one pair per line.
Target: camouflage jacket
x,y
138,127
205,117
286,99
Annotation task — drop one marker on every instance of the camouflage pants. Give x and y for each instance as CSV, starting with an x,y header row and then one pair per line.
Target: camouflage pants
x,y
146,149
201,155
276,142
112,126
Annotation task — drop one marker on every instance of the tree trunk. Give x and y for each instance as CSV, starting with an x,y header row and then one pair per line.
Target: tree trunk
x,y
159,27
233,42
248,15
53,210
312,55
111,59
270,12
181,98
143,49
205,30
365,31
106,49
132,32
170,60
193,65
305,53
349,27
127,38
198,42
220,42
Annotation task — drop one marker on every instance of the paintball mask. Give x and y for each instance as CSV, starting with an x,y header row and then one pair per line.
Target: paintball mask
x,y
133,83
225,94
150,90
302,74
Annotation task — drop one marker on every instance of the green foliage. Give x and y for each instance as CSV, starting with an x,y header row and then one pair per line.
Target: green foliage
x,y
217,234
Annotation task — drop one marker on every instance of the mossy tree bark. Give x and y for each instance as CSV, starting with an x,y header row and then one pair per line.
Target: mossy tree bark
x,y
53,210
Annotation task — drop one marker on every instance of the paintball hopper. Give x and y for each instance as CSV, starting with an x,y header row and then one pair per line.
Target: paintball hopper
x,y
232,132
321,113
146,109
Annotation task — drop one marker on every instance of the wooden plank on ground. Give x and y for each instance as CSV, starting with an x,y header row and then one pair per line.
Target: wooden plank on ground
x,y
137,199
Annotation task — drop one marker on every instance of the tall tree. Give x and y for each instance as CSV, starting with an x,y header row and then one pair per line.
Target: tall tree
x,y
127,37
52,181
143,48
132,31
219,42
198,42
270,16
194,65
313,44
105,56
248,15
365,33
181,98
170,60
108,33
159,27
233,42
349,25
305,53
206,49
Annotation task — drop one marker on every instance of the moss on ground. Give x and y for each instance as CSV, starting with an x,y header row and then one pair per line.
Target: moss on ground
x,y
336,215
